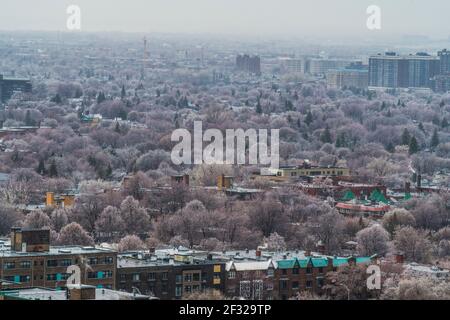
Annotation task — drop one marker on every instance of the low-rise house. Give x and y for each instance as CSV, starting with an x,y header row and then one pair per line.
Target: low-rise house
x,y
250,280
420,270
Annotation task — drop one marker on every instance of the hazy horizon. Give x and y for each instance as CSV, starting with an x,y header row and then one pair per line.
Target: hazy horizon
x,y
302,18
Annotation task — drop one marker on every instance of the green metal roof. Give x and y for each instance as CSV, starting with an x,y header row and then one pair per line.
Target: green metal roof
x,y
319,262
362,259
337,262
286,264
349,195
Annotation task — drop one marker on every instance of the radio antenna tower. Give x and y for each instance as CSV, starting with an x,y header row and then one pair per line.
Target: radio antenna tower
x,y
145,57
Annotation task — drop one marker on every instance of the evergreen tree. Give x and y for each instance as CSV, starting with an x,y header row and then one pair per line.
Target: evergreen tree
x,y
57,99
406,138
413,146
123,93
326,136
434,139
53,171
390,147
309,118
28,120
41,167
258,107
421,128
101,97
288,105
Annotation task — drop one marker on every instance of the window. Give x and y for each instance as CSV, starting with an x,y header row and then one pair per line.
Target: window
x,y
309,284
52,263
178,291
231,274
269,286
217,268
196,277
309,270
320,282
164,288
9,265
188,277
25,264
321,270
295,285
92,261
151,276
107,274
136,277
284,271
24,279
109,260
123,277
188,289
196,288
178,278
165,276
66,262
270,272
92,275
283,284
295,271
51,277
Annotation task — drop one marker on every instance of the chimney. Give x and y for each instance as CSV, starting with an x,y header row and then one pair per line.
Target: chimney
x,y
152,250
407,187
50,199
221,182
308,253
186,179
81,292
419,181
258,253
209,257
399,258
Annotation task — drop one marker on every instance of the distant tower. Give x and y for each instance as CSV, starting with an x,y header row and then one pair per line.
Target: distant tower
x,y
145,57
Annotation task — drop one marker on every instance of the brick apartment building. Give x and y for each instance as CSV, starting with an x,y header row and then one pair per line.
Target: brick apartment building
x,y
32,262
171,274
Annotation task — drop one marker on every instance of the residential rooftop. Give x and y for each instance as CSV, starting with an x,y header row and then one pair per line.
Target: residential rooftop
x,y
50,294
6,252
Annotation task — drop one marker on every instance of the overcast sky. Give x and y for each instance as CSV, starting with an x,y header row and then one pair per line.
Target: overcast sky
x,y
247,17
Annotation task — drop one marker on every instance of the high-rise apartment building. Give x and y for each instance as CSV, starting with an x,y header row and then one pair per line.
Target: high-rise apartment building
x,y
8,86
250,64
393,71
444,57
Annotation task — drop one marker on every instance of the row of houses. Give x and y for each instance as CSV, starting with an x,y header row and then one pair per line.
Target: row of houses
x,y
28,261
